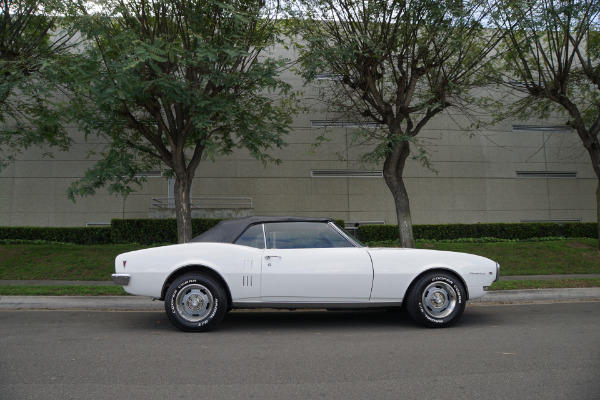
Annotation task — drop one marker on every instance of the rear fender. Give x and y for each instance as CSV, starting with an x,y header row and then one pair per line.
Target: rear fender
x,y
195,269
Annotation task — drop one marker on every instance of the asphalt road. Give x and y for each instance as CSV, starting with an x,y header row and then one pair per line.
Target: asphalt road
x,y
522,351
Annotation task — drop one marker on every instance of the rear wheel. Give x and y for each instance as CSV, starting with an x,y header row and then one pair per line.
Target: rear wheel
x,y
195,303
436,300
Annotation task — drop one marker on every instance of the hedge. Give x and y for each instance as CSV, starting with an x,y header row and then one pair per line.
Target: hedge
x,y
524,230
153,231
76,235
580,229
122,231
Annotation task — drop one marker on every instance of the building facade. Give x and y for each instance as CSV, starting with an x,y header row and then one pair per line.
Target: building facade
x,y
516,171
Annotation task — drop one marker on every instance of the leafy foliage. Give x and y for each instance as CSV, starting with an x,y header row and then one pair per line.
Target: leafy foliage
x,y
170,83
121,231
76,235
551,61
154,231
512,231
550,57
396,65
575,229
32,46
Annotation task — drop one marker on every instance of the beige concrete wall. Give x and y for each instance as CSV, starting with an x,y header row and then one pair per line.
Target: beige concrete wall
x,y
475,181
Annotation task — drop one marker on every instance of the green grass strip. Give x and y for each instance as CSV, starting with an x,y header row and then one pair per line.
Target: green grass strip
x,y
60,262
58,290
578,256
546,284
96,263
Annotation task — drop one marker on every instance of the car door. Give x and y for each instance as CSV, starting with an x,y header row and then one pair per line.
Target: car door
x,y
311,262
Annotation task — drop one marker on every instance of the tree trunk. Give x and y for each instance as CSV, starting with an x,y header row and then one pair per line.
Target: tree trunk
x,y
593,148
183,210
393,168
598,210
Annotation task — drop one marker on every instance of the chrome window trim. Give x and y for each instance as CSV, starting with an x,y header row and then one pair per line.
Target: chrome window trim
x,y
264,236
353,242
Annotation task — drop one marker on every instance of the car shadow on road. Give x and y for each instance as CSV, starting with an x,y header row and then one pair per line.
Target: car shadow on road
x,y
272,320
269,320
355,319
311,319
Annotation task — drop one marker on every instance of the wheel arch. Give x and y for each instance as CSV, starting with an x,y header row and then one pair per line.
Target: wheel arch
x,y
196,269
438,269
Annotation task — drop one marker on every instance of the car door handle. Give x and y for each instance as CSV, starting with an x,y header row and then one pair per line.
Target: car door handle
x,y
269,257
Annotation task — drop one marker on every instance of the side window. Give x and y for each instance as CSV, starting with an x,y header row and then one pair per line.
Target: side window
x,y
252,237
303,235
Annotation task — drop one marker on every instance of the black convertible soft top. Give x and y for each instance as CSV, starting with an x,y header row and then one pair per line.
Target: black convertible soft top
x,y
229,230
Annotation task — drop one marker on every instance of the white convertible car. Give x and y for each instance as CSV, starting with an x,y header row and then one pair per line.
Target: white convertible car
x,y
288,262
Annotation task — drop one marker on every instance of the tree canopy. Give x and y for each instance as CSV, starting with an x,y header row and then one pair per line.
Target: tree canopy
x,y
32,44
397,64
551,60
170,83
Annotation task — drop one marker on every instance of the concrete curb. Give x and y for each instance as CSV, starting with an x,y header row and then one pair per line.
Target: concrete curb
x,y
134,303
116,303
527,295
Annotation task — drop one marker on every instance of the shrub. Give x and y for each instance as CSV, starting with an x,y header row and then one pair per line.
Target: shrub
x,y
76,235
580,229
154,231
375,233
496,230
122,231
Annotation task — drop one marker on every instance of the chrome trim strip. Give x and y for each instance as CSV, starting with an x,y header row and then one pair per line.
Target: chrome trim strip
x,y
264,236
353,242
121,279
316,305
497,272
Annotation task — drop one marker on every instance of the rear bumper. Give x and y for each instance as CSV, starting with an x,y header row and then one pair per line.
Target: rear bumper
x,y
121,279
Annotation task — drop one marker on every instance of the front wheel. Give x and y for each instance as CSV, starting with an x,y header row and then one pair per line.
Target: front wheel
x,y
195,303
436,300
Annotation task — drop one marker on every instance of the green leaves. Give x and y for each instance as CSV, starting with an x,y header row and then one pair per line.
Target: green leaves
x,y
170,83
551,61
551,49
117,166
399,63
30,53
395,65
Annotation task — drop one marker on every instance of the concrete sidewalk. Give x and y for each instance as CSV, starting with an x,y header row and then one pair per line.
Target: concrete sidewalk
x,y
107,303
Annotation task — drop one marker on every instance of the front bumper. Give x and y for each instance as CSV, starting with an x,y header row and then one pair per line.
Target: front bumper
x,y
486,288
497,272
121,279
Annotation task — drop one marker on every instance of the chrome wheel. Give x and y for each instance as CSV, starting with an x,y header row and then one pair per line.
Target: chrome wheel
x,y
439,299
194,302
